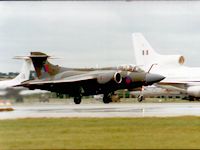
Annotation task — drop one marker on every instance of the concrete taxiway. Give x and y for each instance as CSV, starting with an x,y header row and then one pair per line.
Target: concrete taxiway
x,y
102,110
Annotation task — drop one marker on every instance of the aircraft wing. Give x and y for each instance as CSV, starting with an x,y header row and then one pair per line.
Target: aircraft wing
x,y
66,80
71,79
41,84
177,86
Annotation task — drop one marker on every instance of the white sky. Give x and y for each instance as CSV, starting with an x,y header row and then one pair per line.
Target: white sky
x,y
86,34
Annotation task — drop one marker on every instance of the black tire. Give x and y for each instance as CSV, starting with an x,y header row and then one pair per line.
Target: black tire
x,y
106,99
77,100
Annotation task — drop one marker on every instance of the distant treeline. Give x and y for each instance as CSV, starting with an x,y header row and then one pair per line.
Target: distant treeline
x,y
8,75
11,75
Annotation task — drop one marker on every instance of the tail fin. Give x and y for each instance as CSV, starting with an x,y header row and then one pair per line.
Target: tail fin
x,y
25,71
43,68
144,53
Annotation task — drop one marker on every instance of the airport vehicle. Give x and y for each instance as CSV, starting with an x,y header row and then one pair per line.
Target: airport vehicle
x,y
178,77
78,82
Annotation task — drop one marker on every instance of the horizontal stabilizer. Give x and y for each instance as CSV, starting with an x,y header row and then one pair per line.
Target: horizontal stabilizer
x,y
21,57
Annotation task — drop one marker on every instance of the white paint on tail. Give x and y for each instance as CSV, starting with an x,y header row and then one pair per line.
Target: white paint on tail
x,y
145,55
23,76
25,71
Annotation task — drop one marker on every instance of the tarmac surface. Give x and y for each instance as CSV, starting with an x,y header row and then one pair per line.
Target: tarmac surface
x,y
49,110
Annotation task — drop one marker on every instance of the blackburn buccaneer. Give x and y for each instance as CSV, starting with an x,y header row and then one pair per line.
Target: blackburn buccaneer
x,y
78,82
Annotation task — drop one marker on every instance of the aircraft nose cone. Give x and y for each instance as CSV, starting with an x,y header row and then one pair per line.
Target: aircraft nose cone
x,y
153,78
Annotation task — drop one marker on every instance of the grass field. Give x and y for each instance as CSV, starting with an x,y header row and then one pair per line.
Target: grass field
x,y
108,133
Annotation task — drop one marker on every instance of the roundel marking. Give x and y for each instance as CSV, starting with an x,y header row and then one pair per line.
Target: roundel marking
x,y
128,80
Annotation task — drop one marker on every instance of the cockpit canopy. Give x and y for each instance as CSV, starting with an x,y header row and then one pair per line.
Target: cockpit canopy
x,y
130,67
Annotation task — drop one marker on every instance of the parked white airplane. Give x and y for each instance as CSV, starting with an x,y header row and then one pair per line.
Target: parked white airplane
x,y
178,77
23,76
6,86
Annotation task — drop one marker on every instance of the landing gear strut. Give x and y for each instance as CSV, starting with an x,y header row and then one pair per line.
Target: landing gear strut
x,y
140,98
77,98
107,98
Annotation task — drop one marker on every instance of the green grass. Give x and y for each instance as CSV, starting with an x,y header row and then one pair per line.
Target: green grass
x,y
93,133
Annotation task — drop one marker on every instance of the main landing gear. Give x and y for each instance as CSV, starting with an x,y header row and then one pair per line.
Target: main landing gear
x,y
107,98
77,99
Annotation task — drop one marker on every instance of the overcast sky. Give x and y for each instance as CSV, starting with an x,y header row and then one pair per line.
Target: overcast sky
x,y
85,34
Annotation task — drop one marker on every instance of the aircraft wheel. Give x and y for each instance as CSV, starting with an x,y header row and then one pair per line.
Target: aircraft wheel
x,y
77,100
191,98
106,99
140,98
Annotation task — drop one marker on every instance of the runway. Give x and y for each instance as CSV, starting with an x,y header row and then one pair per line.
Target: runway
x,y
102,110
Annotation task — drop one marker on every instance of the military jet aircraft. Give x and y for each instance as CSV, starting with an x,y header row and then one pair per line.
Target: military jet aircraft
x,y
78,82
